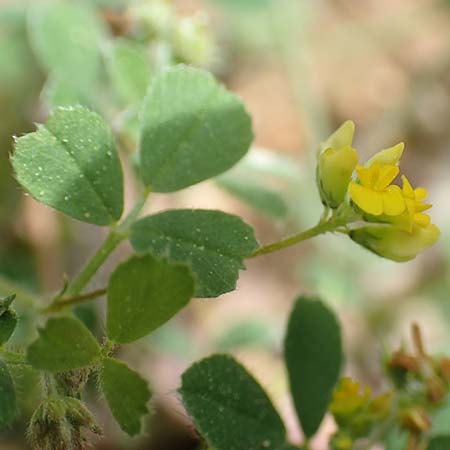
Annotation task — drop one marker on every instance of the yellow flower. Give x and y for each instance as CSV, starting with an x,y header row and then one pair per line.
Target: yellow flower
x,y
336,163
348,398
394,243
414,207
374,193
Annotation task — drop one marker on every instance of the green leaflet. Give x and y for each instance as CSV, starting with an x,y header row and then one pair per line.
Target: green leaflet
x,y
63,344
127,394
192,129
8,322
439,443
71,164
144,293
213,243
66,38
313,354
8,407
128,67
229,408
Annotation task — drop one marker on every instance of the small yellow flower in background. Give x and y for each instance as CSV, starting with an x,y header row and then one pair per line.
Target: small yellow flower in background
x,y
348,398
374,193
337,161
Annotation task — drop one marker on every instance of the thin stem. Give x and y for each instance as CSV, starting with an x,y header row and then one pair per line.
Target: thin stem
x,y
113,239
320,228
117,234
74,300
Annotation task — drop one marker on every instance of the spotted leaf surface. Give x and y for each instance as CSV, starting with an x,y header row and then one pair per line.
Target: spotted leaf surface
x,y
229,408
192,129
213,243
71,164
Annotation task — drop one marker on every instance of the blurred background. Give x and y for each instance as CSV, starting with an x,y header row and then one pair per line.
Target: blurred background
x,y
302,67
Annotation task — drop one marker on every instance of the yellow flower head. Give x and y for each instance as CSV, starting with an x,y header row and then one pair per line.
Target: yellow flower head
x,y
348,398
374,193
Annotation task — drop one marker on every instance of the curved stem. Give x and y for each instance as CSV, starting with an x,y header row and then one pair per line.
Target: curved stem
x,y
320,228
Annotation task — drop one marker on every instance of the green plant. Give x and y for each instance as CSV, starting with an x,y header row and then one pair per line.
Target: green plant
x,y
176,126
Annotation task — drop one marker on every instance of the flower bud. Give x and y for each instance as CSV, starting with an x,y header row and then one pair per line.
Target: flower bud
x,y
394,243
57,424
336,162
390,156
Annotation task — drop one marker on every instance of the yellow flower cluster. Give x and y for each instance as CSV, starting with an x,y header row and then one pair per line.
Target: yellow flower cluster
x,y
398,227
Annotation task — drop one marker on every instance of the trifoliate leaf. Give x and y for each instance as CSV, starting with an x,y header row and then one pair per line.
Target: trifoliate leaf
x,y
229,408
8,407
192,129
313,354
71,164
144,293
127,394
213,243
63,344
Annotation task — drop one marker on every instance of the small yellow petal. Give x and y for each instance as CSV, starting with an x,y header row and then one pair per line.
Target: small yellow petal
x,y
386,176
366,199
420,207
393,202
420,193
407,188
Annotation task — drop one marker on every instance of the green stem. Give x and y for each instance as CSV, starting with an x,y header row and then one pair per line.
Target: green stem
x,y
113,239
75,300
321,228
117,234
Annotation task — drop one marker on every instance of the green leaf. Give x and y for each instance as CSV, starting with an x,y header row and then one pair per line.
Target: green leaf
x,y
71,164
7,395
213,243
439,443
127,394
8,407
64,344
8,322
128,68
313,354
144,293
66,37
192,129
229,408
